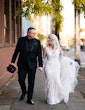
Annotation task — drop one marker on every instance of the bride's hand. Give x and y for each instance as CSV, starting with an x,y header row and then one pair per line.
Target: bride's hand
x,y
40,68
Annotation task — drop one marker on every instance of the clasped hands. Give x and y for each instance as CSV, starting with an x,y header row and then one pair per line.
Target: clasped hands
x,y
40,68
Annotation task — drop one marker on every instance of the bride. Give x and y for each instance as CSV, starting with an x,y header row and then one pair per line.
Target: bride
x,y
60,73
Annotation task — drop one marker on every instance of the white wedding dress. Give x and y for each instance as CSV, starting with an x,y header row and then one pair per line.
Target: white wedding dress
x,y
60,77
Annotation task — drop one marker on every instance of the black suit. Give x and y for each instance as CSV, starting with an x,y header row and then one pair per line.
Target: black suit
x,y
28,51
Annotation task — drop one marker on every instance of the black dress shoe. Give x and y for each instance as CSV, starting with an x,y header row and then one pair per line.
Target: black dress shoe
x,y
30,102
22,97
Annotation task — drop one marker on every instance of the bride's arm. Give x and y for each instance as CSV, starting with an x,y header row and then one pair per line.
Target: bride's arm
x,y
44,57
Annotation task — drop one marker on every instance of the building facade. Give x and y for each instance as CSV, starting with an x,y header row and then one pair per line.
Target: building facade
x,y
10,31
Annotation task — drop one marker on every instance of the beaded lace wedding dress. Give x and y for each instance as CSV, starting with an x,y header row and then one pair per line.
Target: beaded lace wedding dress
x,y
60,76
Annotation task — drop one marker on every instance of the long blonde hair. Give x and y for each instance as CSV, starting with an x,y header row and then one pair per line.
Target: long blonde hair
x,y
53,37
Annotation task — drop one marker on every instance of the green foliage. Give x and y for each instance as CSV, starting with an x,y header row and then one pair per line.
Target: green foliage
x,y
71,43
42,7
41,37
57,20
57,16
80,5
35,7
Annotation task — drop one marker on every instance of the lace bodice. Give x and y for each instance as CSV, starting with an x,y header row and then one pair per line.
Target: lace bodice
x,y
52,54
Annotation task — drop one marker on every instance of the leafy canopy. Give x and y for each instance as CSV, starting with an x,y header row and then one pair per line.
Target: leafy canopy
x,y
80,5
35,7
57,16
42,7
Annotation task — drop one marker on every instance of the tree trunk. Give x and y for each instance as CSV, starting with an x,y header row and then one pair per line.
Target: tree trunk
x,y
77,36
57,33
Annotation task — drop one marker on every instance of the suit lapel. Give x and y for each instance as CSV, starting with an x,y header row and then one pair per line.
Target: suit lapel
x,y
27,45
34,45
26,42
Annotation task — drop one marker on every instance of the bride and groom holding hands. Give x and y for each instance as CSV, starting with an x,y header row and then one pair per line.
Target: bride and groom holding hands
x,y
60,72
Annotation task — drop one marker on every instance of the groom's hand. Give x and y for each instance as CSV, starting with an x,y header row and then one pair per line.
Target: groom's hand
x,y
40,68
13,64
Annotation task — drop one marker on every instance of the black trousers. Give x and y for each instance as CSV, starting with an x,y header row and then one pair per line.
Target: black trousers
x,y
22,73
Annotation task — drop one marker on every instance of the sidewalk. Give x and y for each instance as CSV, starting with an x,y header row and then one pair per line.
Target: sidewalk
x,y
9,97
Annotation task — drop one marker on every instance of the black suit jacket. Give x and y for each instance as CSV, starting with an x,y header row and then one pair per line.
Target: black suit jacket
x,y
27,56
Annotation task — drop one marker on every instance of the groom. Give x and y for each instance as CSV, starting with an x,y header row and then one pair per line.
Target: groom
x,y
29,49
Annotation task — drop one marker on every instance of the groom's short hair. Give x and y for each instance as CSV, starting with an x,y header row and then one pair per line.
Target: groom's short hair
x,y
30,28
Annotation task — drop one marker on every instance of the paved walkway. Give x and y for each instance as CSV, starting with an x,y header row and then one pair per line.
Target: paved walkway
x,y
9,97
10,93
